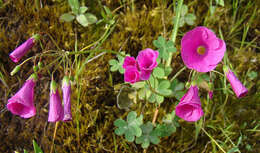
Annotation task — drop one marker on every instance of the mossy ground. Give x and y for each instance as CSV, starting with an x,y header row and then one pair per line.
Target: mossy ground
x,y
94,100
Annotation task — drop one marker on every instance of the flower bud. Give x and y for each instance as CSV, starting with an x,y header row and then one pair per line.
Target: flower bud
x,y
15,70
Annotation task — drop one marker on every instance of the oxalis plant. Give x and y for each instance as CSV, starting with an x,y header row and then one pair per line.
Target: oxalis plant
x,y
147,78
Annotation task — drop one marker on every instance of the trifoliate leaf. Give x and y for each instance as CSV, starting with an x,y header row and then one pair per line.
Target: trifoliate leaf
x,y
83,9
190,18
158,72
67,17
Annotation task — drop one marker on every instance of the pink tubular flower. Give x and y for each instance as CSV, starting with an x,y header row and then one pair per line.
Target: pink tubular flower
x,y
22,103
55,109
210,94
189,107
201,49
239,89
66,90
21,50
132,75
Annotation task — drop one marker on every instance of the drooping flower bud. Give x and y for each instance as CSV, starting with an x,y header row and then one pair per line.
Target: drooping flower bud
x,y
21,50
15,70
239,89
66,90
55,109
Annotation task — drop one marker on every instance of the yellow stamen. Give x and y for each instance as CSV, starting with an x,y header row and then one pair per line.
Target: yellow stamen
x,y
201,50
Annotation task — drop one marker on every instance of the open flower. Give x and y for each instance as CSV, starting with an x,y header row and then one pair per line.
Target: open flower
x,y
55,109
239,89
66,90
21,50
189,107
201,49
22,102
146,60
131,75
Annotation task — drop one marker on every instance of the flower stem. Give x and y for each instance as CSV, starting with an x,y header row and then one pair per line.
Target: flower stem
x,y
54,135
178,73
95,51
175,29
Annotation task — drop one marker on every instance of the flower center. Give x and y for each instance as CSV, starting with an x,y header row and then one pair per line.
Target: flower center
x,y
201,50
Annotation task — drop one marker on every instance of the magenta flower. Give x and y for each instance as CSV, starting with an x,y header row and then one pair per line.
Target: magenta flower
x,y
66,90
129,62
146,60
239,89
210,94
142,67
21,50
55,109
201,49
22,102
189,107
131,75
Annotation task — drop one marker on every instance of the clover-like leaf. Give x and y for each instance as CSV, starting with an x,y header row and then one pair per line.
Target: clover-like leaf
x,y
83,9
67,17
131,128
149,135
117,65
164,47
163,88
158,72
177,89
74,5
91,18
190,18
184,10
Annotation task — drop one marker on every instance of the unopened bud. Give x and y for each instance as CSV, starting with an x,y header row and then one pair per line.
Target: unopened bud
x,y
15,70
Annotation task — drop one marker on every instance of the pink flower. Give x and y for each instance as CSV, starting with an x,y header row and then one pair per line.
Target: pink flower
x,y
131,75
146,60
201,49
129,62
189,107
239,89
142,67
21,50
22,102
210,94
66,90
55,110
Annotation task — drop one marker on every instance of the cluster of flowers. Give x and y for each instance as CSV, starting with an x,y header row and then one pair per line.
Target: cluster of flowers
x,y
142,67
201,50
22,103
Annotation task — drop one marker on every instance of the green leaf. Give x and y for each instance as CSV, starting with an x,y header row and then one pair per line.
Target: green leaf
x,y
113,62
67,17
168,71
152,98
252,75
129,136
138,85
114,68
159,99
184,10
120,123
190,19
74,4
83,9
158,72
170,47
108,12
121,69
82,19
120,131
91,18
25,151
220,2
148,135
37,149
165,84
131,116
181,22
